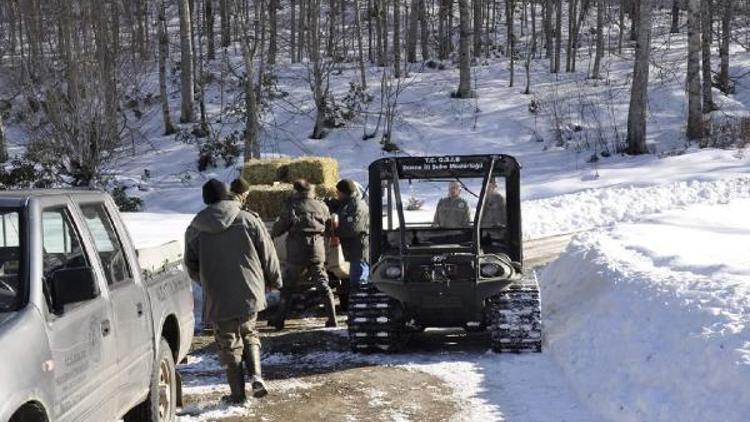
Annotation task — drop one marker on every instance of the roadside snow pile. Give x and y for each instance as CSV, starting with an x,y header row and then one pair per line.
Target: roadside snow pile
x,y
651,321
603,207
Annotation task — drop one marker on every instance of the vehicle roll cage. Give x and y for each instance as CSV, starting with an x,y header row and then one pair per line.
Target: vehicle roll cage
x,y
393,169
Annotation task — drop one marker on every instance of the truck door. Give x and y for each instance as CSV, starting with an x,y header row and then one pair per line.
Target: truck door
x,y
131,322
80,334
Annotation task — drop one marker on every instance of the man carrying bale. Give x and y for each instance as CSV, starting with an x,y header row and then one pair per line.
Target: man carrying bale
x,y
354,230
305,219
230,254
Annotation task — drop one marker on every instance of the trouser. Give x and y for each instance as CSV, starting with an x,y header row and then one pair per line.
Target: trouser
x,y
358,272
294,273
234,338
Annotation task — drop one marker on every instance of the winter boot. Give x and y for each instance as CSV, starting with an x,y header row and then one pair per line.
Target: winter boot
x,y
236,381
330,306
252,361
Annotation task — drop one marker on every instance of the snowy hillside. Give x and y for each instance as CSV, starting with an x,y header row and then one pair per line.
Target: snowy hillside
x,y
649,320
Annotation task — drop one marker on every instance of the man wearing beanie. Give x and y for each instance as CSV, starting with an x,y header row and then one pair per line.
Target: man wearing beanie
x,y
354,230
305,219
229,252
238,190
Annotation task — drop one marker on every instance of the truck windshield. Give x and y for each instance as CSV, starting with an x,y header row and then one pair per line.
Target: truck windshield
x,y
12,289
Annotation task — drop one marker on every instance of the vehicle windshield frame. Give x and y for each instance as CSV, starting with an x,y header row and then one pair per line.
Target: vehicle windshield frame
x,y
22,295
392,171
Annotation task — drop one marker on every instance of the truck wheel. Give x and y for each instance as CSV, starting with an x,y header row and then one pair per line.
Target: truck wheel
x,y
514,318
161,404
376,321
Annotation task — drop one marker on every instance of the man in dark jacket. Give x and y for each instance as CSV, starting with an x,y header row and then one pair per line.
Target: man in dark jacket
x,y
305,219
494,214
354,230
229,252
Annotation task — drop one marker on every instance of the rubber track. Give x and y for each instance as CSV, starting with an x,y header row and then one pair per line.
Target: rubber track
x,y
515,318
376,322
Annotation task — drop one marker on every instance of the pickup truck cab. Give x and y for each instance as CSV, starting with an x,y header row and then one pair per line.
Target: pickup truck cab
x,y
86,333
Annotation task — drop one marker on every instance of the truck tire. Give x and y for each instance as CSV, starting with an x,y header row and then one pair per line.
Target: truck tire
x,y
514,318
376,321
161,403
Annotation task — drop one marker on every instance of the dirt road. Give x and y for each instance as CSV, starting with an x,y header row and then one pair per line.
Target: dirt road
x,y
313,377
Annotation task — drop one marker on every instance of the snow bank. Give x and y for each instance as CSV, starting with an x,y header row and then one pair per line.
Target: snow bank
x,y
594,208
649,321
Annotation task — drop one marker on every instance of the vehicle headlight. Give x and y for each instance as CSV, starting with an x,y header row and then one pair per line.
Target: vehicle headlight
x,y
393,271
491,270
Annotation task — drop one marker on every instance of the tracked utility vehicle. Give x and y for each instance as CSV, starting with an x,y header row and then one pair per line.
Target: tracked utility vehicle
x,y
438,265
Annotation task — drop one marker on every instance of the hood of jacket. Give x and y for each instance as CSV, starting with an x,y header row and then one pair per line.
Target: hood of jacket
x,y
217,217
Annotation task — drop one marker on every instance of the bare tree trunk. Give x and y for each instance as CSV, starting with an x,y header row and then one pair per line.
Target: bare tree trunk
x,y
548,45
464,70
706,20
726,33
621,25
319,92
424,30
209,31
397,38
273,8
293,30
599,39
303,19
511,43
572,5
634,22
186,63
695,114
3,143
477,35
249,45
384,30
226,25
444,29
558,36
411,48
377,6
163,55
532,50
360,47
675,17
639,93
331,28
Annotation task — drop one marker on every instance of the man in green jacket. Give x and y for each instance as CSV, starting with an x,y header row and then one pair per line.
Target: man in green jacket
x,y
453,211
231,255
305,219
354,231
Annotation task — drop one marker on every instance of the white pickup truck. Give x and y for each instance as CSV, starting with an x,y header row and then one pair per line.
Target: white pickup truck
x,y
90,328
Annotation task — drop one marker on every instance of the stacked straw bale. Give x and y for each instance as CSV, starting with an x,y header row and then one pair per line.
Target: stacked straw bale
x,y
270,181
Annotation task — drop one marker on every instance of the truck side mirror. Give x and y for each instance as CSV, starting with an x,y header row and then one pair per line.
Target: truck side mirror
x,y
72,285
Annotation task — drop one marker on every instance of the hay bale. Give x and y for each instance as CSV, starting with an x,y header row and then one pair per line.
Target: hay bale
x,y
323,192
317,170
265,171
267,200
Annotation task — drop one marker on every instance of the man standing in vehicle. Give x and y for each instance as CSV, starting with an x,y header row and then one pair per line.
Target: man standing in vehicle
x,y
452,212
305,219
494,214
354,230
230,253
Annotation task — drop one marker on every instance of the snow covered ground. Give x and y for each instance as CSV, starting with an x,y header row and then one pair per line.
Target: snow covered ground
x,y
646,314
650,320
